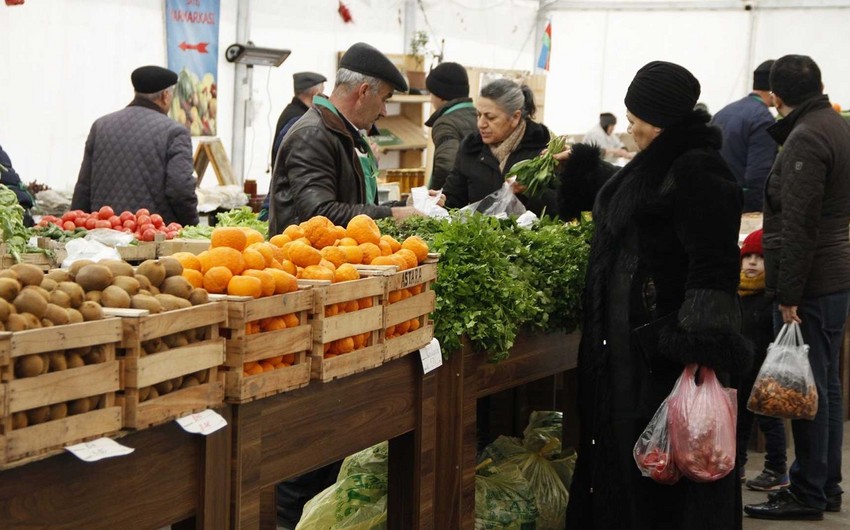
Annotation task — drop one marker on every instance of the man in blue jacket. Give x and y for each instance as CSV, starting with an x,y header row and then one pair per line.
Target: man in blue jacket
x,y
747,147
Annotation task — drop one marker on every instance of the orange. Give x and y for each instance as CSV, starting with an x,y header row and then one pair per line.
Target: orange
x,y
363,229
339,232
365,303
326,347
317,272
385,247
293,232
320,231
394,245
289,359
227,257
347,242
334,255
414,324
327,264
418,246
398,261
245,286
280,240
276,360
409,257
351,306
291,320
194,277
394,296
384,260
346,272
289,267
273,324
370,252
359,341
402,327
267,366
417,289
269,251
252,236
283,281
253,259
204,260
267,281
228,236
303,255
331,310
252,368
216,279
405,294
188,260
353,254
345,345
390,331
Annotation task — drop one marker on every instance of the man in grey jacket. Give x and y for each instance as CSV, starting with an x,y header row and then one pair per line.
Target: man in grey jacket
x,y
138,157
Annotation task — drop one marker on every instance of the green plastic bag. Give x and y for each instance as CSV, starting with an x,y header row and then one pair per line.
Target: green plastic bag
x,y
372,460
357,502
503,499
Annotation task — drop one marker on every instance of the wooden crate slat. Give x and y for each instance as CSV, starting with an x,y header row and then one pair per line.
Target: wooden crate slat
x,y
261,346
408,343
161,324
63,337
66,385
173,246
242,388
238,314
348,324
142,251
173,405
59,433
413,307
353,290
404,279
347,364
158,367
3,405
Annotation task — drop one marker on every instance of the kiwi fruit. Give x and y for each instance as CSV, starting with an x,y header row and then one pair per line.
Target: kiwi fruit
x,y
170,302
32,321
189,381
7,273
74,360
48,284
201,376
42,292
57,315
77,265
29,366
19,420
153,290
114,296
60,298
176,286
152,345
117,267
58,275
28,274
153,270
152,393
199,296
144,393
58,361
2,326
128,283
5,310
9,289
16,322
91,311
38,415
58,411
79,406
30,301
175,340
172,266
94,277
46,323
141,301
164,387
144,283
94,296
94,357
74,292
74,316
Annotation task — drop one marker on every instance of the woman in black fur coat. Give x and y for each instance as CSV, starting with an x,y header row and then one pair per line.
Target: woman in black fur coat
x,y
660,294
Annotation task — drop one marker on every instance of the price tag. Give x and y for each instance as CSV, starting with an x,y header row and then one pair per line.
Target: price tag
x,y
432,356
206,422
98,449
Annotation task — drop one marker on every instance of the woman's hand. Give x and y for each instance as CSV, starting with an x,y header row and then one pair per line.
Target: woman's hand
x,y
434,193
789,314
516,187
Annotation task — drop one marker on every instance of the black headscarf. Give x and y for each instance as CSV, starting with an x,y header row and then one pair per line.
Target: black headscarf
x,y
662,93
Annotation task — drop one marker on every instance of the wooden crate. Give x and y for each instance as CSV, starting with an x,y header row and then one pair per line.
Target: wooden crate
x,y
327,329
99,381
195,246
242,347
141,370
416,307
141,252
43,261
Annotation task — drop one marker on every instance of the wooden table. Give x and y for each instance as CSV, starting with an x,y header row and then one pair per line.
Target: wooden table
x,y
462,380
285,436
172,478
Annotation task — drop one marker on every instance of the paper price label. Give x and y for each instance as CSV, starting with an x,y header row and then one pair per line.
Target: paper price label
x,y
432,356
206,422
98,449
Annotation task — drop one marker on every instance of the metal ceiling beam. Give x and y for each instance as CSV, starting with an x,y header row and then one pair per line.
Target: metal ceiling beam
x,y
702,5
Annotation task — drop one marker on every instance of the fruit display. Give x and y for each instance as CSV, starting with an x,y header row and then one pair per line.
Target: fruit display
x,y
142,224
195,104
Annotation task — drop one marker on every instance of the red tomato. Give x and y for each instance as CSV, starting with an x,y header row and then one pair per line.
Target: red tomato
x,y
174,227
142,211
125,216
149,234
49,218
171,234
145,226
129,223
69,225
69,216
105,212
156,219
79,221
115,220
43,222
102,223
143,219
128,231
90,222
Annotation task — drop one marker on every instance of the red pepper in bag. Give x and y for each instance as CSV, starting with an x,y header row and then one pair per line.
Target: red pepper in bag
x,y
652,450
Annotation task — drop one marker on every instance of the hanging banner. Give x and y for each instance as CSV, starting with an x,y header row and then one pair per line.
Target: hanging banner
x,y
545,48
191,28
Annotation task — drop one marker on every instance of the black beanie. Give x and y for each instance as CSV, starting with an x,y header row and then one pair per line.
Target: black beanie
x,y
662,93
761,76
367,60
448,81
152,79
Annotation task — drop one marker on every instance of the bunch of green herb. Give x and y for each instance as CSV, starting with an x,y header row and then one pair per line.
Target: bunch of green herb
x,y
538,173
244,217
424,227
14,234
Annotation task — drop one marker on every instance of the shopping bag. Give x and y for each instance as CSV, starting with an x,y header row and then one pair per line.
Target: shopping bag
x,y
785,385
501,203
503,498
652,452
702,419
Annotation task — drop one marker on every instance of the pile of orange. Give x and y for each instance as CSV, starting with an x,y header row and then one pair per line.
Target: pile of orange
x,y
275,323
408,325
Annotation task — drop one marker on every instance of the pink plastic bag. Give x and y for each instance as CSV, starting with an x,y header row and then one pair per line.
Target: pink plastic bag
x,y
652,451
702,419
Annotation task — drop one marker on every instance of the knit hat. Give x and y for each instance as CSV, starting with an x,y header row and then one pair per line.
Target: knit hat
x,y
752,244
301,81
761,76
152,79
448,81
367,60
662,93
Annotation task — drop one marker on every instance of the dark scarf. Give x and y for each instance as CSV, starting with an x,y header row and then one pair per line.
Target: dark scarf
x,y
780,130
148,104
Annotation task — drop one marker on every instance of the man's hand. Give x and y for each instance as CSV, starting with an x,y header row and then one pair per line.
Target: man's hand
x,y
442,200
789,314
403,212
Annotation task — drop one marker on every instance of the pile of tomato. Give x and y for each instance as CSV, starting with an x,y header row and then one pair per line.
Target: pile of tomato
x,y
142,224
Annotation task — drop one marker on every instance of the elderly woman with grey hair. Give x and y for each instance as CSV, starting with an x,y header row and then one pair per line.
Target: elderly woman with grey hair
x,y
506,135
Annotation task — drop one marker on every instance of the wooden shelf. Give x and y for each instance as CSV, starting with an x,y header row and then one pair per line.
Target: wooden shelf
x,y
409,98
412,136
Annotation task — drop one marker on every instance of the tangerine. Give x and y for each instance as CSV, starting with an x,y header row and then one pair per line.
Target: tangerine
x,y
370,252
267,281
228,236
283,281
320,231
280,240
293,232
317,272
188,260
253,259
409,257
363,229
216,279
245,286
334,255
346,272
418,246
353,254
303,255
227,257
196,278
394,245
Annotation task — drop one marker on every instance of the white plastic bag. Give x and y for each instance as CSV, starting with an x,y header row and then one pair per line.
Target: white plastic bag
x,y
501,203
87,249
427,203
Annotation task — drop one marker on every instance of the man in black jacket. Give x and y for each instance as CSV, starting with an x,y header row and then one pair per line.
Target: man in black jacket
x,y
305,85
807,269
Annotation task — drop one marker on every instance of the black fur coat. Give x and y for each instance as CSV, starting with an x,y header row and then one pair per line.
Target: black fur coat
x,y
661,293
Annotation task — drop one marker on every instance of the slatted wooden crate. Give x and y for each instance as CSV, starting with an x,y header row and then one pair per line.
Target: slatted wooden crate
x,y
243,347
173,246
82,397
178,361
328,327
409,300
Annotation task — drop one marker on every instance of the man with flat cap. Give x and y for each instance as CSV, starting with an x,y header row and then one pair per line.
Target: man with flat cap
x,y
305,85
453,119
747,147
326,165
138,157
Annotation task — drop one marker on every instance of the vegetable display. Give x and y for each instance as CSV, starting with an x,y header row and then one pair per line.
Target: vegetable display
x,y
538,173
14,234
143,224
243,217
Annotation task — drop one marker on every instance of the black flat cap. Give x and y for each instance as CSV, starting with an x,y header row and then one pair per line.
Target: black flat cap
x,y
367,60
152,79
448,81
662,93
761,76
301,81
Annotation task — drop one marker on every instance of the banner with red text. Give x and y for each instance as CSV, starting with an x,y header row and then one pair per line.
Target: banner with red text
x,y
191,28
